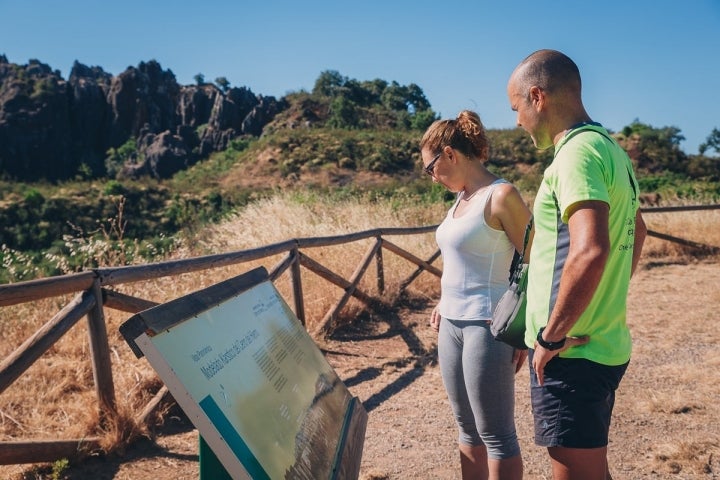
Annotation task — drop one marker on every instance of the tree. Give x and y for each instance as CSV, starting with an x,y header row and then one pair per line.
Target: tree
x,y
408,98
354,104
667,135
199,79
342,113
374,89
712,141
422,119
654,149
328,82
394,97
223,83
416,98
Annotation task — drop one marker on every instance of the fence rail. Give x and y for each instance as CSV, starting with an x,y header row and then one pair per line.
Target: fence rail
x,y
92,297
682,241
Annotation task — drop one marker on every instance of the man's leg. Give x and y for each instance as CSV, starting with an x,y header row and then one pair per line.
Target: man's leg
x,y
574,408
579,463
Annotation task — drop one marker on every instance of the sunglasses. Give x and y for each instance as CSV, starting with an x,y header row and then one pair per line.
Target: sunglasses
x,y
430,169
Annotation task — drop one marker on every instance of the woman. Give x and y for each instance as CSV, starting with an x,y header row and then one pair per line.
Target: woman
x,y
478,237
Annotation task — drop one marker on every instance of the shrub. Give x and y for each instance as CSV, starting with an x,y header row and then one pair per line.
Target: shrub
x,y
114,187
33,198
118,157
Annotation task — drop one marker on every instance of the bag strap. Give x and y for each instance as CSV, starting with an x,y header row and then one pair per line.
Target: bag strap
x,y
528,227
518,258
583,128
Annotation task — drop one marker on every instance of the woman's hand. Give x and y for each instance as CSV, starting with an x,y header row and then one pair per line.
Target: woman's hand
x,y
435,319
518,358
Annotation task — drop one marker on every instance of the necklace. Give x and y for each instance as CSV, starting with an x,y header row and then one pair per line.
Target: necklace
x,y
467,197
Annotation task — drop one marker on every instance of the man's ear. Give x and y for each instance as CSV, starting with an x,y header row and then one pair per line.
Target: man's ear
x,y
537,97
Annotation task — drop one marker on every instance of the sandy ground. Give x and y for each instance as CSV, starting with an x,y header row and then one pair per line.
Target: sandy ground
x,y
666,423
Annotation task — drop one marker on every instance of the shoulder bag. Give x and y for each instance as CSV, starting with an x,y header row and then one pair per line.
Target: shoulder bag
x,y
508,321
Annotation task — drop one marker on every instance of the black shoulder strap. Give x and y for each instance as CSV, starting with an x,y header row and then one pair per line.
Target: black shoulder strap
x,y
612,140
518,258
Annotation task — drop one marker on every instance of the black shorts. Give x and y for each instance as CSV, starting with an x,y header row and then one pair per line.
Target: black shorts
x,y
573,407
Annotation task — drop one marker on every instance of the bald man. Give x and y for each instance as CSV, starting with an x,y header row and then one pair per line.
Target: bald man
x,y
588,237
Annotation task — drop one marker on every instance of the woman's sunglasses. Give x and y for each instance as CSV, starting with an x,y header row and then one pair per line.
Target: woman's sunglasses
x,y
430,169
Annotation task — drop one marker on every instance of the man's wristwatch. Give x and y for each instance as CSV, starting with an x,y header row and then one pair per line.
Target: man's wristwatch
x,y
549,345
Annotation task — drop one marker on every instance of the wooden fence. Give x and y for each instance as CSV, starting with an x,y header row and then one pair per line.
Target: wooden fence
x,y
93,296
671,238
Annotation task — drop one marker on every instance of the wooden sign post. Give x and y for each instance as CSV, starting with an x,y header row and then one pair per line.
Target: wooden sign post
x,y
252,381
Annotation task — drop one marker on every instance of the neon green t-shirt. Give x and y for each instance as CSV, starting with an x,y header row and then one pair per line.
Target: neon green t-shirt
x,y
588,165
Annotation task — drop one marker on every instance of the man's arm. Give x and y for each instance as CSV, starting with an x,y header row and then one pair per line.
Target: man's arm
x,y
589,249
640,235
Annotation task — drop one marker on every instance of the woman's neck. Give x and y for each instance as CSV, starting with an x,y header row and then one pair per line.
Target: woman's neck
x,y
481,179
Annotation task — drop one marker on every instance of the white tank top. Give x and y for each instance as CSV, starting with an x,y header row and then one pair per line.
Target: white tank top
x,y
476,261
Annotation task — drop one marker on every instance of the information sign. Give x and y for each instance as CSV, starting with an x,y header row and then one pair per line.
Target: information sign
x,y
253,382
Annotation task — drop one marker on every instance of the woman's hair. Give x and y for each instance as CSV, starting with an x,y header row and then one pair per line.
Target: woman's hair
x,y
466,133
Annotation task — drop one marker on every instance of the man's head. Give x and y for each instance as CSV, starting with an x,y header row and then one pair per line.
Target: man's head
x,y
545,91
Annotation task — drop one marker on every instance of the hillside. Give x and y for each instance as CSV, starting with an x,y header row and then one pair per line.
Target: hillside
x,y
142,159
142,123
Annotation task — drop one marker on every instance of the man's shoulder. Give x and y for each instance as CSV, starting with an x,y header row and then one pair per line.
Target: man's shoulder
x,y
586,134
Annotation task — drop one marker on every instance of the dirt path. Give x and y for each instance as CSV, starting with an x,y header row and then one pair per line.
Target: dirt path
x,y
666,423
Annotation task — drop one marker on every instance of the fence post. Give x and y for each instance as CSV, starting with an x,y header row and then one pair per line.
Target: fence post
x,y
379,268
100,350
297,285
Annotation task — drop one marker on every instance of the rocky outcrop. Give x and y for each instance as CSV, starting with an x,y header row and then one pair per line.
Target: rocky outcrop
x,y
164,155
89,115
35,136
55,129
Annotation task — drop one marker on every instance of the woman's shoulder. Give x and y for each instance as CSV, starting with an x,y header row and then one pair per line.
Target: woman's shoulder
x,y
506,200
503,189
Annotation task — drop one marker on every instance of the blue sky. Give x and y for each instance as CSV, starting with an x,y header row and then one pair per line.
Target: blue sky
x,y
652,60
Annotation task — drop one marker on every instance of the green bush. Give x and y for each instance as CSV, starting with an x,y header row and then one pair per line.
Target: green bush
x,y
114,187
117,157
343,114
33,198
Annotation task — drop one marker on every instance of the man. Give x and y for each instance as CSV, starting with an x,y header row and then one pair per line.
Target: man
x,y
588,238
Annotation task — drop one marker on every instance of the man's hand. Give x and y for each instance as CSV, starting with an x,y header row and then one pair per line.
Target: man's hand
x,y
542,355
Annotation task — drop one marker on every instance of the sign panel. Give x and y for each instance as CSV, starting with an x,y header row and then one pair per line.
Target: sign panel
x,y
251,378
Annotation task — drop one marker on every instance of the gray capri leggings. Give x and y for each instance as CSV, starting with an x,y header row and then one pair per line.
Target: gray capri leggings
x,y
479,378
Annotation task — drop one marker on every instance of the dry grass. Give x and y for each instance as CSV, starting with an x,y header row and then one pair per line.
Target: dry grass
x,y
281,218
669,398
698,226
55,398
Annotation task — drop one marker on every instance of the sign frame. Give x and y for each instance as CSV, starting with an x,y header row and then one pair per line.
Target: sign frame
x,y
332,411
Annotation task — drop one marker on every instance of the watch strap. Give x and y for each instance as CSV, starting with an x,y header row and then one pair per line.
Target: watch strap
x,y
549,345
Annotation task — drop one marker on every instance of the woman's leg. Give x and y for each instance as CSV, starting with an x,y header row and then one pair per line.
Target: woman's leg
x,y
490,380
473,456
473,462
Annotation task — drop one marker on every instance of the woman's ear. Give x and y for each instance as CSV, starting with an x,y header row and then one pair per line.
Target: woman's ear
x,y
449,152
